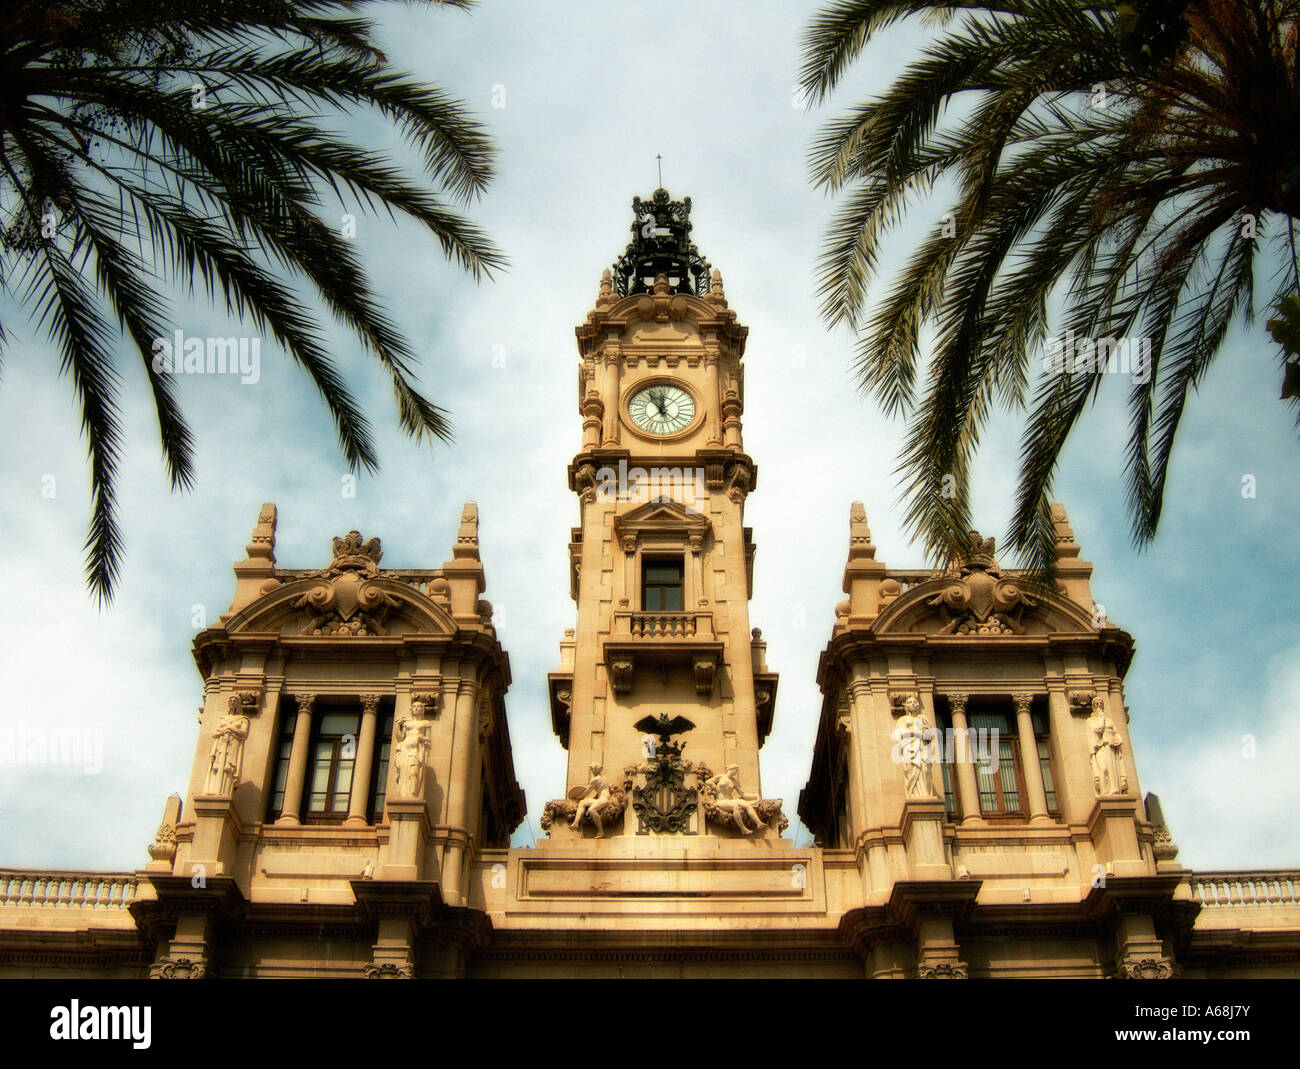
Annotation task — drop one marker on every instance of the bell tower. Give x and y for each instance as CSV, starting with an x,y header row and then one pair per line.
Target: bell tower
x,y
661,563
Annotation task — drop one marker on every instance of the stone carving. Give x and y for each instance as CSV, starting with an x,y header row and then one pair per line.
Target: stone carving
x,y
411,755
1162,842
467,536
566,809
1145,969
706,668
163,847
389,970
725,803
663,801
740,483
955,970
912,739
227,753
981,601
180,969
1080,701
1104,744
347,602
732,802
584,481
593,801
426,705
620,673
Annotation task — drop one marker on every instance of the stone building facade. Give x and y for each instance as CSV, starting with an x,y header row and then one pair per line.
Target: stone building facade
x,y
973,792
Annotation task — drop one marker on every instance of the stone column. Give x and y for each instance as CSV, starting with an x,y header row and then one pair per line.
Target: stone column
x,y
613,358
968,795
1029,759
629,570
712,402
359,799
297,761
695,570
464,738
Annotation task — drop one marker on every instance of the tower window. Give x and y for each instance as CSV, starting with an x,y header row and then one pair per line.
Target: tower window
x,y
1001,792
379,777
329,773
331,762
1042,740
661,585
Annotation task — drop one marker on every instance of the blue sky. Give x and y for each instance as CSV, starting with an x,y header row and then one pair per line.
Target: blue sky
x,y
591,93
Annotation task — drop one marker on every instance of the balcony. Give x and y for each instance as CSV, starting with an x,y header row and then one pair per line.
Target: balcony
x,y
641,638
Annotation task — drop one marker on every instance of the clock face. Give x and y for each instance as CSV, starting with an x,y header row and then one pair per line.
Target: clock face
x,y
662,409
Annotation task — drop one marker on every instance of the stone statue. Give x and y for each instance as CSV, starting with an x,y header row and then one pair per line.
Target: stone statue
x,y
594,801
412,754
913,738
227,750
1107,777
733,802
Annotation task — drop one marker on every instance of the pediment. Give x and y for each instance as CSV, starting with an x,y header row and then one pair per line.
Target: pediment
x,y
346,605
980,605
662,517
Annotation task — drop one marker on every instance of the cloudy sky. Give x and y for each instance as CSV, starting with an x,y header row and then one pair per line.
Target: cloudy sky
x,y
580,97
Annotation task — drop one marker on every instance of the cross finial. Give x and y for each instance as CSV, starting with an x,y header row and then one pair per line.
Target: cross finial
x,y
660,161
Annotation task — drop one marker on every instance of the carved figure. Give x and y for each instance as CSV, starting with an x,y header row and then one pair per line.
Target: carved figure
x,y
912,735
412,754
593,802
227,752
733,802
1105,744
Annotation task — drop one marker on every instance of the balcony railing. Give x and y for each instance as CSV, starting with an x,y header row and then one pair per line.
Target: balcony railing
x,y
663,625
70,890
1237,890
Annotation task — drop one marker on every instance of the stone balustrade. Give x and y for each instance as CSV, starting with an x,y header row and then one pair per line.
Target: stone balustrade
x,y
664,625
1238,890
69,890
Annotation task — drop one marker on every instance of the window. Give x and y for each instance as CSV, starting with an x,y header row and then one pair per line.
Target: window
x,y
1001,792
329,768
1043,743
379,778
331,761
952,809
661,585
283,752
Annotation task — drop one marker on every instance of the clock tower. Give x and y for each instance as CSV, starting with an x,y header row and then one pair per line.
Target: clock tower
x,y
661,563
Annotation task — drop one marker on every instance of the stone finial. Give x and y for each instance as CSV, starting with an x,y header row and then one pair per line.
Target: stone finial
x,y
1074,573
1066,546
977,554
859,534
716,294
261,546
466,547
606,295
1163,844
163,848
